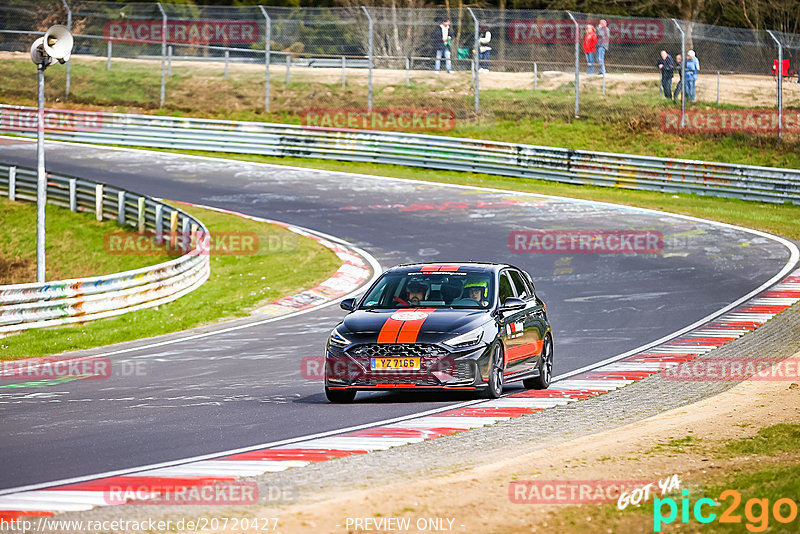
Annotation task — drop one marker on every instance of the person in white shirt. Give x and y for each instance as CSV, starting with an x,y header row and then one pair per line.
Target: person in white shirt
x,y
485,37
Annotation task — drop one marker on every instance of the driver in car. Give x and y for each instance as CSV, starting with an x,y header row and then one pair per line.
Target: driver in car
x,y
477,290
415,292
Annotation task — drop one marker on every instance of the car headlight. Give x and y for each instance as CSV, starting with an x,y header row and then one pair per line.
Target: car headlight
x,y
337,339
473,337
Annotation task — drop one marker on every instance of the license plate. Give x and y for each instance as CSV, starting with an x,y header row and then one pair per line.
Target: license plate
x,y
396,364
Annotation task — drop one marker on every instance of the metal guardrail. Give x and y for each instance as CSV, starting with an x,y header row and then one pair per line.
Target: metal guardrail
x,y
34,305
429,151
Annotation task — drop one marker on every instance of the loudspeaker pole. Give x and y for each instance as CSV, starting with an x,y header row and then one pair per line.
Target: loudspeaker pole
x,y
41,181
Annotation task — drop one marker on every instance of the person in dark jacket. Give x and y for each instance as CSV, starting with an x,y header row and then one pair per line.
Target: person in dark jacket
x,y
667,67
679,85
442,39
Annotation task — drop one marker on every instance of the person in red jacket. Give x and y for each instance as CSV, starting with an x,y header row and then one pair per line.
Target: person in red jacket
x,y
590,46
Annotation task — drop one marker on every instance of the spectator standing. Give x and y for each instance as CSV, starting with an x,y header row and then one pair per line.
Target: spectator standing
x,y
484,38
692,68
679,85
667,67
590,47
603,41
442,39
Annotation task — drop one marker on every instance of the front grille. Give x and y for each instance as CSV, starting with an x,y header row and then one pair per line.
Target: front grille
x,y
430,356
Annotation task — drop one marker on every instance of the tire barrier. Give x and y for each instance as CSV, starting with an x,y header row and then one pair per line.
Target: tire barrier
x,y
745,182
34,305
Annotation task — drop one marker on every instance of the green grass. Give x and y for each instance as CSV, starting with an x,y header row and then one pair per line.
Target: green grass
x,y
768,441
237,284
74,245
780,219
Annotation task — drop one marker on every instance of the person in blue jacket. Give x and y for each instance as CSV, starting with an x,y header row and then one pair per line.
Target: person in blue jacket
x,y
692,68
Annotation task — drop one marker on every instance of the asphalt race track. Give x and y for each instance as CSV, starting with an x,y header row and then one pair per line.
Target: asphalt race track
x,y
245,387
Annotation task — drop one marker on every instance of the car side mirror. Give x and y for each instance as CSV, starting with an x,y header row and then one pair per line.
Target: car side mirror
x,y
348,304
512,304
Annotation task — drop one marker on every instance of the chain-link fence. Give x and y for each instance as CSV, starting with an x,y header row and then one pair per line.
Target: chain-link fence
x,y
332,66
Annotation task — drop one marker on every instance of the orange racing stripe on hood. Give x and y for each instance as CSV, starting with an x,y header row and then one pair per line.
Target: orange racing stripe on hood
x,y
403,326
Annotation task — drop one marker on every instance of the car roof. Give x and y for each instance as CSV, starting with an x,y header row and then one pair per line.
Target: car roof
x,y
449,267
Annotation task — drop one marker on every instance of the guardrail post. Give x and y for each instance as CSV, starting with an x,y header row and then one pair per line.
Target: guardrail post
x,y
121,208
475,57
577,64
141,222
683,72
12,183
193,236
98,202
163,52
69,27
779,90
267,55
185,234
173,228
370,58
159,222
108,55
227,58
73,194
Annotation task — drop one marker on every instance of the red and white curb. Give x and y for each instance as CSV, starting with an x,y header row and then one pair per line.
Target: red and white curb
x,y
87,494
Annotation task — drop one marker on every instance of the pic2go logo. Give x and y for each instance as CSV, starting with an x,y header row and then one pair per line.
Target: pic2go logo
x,y
756,511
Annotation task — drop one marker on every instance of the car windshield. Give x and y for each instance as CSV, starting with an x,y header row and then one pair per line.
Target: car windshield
x,y
431,290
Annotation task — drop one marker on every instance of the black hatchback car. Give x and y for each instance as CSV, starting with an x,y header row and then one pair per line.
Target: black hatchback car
x,y
462,326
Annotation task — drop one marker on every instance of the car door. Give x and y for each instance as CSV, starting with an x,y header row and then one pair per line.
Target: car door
x,y
532,319
513,325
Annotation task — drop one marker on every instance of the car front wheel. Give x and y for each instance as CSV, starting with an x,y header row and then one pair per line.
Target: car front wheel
x,y
495,388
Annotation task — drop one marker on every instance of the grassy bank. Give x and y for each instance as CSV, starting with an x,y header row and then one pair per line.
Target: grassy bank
x,y
238,283
626,119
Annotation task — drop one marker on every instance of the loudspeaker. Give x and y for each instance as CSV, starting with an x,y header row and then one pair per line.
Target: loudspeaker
x,y
58,43
38,54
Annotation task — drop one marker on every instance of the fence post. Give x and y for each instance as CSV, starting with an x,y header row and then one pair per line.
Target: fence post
x,y
779,73
288,68
163,52
98,202
718,88
169,60
73,194
475,57
370,51
344,72
577,65
408,68
267,55
121,208
227,58
141,222
69,27
535,75
108,55
185,234
173,229
12,183
683,72
159,222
